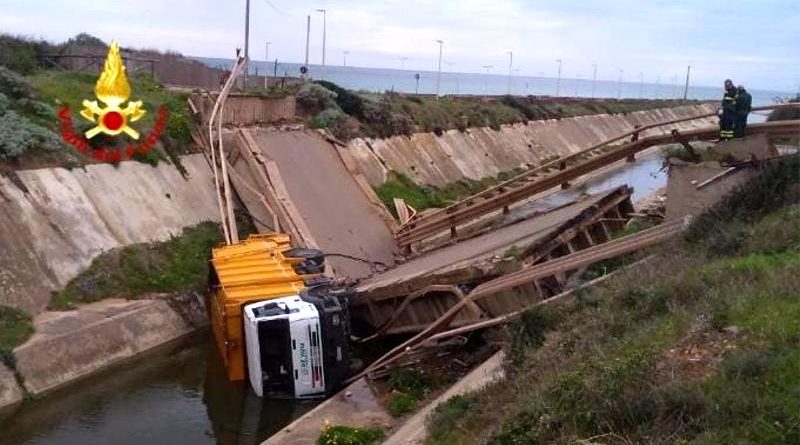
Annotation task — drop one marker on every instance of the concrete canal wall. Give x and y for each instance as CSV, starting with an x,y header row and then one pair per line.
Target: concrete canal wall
x,y
480,152
54,222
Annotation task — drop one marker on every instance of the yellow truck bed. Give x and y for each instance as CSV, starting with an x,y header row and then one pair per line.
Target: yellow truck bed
x,y
248,272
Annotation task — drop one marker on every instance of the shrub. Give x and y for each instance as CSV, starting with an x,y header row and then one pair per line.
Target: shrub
x,y
349,102
17,54
19,135
315,98
528,332
446,416
328,118
409,381
345,435
401,403
748,364
13,85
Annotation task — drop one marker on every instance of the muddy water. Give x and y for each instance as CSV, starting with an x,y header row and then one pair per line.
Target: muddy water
x,y
645,176
177,396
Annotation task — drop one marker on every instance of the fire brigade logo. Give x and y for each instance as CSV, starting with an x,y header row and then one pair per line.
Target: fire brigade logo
x,y
113,90
114,116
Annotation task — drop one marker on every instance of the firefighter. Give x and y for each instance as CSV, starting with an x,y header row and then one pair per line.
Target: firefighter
x,y
727,113
744,103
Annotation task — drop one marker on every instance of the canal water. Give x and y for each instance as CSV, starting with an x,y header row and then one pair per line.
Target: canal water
x,y
179,395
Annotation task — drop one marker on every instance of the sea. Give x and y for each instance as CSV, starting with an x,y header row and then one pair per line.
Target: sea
x,y
379,80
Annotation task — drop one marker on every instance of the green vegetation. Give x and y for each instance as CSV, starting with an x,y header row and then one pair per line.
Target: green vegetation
x,y
399,185
15,327
446,431
392,114
23,118
408,388
345,435
401,403
177,264
30,97
696,346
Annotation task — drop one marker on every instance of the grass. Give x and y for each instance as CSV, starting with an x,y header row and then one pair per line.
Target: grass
x,y
177,264
423,197
60,88
345,435
699,345
16,326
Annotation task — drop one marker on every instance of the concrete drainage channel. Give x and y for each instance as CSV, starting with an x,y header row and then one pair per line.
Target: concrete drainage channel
x,y
145,376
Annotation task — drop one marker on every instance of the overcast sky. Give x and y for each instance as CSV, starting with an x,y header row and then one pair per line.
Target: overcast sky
x,y
756,42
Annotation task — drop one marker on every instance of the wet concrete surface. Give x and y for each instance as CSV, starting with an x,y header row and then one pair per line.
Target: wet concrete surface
x,y
178,395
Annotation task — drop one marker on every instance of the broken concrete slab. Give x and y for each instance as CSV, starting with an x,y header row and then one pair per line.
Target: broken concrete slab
x,y
755,147
693,188
68,346
356,406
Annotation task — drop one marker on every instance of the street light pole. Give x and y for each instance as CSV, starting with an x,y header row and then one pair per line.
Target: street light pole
x,y
686,88
439,72
594,78
266,65
308,33
344,56
246,41
324,26
510,70
558,80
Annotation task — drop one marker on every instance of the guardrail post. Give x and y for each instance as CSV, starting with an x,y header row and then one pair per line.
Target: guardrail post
x,y
632,157
563,166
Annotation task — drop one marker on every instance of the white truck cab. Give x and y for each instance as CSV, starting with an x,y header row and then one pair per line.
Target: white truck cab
x,y
284,348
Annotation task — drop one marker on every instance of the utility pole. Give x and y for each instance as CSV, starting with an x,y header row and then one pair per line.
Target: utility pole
x,y
439,71
324,25
308,33
486,81
246,41
510,70
686,88
344,57
558,79
266,65
641,85
594,78
619,85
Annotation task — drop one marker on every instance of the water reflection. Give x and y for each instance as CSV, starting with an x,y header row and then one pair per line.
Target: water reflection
x,y
177,396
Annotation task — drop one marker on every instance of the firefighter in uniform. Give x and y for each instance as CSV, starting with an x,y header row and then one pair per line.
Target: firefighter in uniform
x,y
727,118
744,103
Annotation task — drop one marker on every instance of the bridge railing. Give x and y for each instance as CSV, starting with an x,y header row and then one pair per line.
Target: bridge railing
x,y
555,173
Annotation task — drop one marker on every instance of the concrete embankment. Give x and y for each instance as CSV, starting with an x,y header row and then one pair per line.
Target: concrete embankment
x,y
68,346
73,345
480,152
54,222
